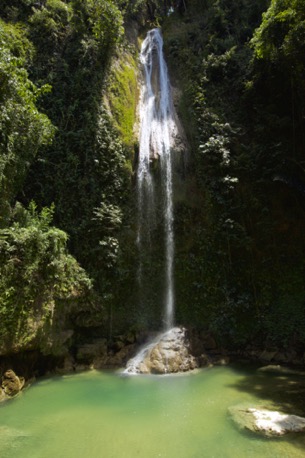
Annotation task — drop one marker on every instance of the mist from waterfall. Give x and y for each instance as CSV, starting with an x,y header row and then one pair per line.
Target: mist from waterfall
x,y
157,134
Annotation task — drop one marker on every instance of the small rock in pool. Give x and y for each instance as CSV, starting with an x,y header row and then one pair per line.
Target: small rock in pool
x,y
267,422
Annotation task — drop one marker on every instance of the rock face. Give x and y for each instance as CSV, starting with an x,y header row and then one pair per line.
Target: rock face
x,y
267,422
167,354
11,383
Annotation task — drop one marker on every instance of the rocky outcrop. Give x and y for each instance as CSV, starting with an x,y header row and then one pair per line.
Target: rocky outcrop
x,y
169,353
278,369
267,422
11,384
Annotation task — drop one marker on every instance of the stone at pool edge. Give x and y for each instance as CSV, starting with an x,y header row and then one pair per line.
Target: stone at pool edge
x,y
11,384
266,422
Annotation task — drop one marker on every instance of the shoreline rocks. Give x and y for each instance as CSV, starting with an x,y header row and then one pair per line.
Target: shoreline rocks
x,y
94,352
269,423
11,385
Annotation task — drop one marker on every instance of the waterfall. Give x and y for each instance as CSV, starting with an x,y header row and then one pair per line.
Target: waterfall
x,y
159,135
158,130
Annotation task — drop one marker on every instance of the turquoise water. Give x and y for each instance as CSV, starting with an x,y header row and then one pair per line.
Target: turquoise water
x,y
99,414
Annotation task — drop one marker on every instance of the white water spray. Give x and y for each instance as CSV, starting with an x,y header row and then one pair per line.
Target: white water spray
x,y
158,131
158,134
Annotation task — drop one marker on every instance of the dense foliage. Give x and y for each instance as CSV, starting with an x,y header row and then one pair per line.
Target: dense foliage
x,y
59,146
23,128
38,280
244,79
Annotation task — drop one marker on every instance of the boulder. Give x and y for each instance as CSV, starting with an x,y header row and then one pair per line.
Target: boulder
x,y
167,354
267,422
11,383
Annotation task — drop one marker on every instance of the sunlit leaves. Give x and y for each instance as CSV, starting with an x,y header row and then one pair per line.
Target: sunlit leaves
x,y
23,129
282,30
35,272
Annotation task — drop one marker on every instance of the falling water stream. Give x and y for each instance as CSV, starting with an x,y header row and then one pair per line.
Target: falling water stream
x,y
158,131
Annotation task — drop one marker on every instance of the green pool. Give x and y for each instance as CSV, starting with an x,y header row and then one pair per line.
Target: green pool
x,y
102,414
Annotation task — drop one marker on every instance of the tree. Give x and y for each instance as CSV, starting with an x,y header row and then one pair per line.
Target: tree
x,y
23,129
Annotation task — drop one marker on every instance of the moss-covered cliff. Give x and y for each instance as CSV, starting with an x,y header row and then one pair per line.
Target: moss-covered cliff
x,y
68,96
241,268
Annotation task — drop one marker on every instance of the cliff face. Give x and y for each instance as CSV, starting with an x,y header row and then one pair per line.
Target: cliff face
x,y
68,109
240,232
71,89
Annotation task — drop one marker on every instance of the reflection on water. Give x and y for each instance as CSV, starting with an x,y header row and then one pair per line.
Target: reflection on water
x,y
98,414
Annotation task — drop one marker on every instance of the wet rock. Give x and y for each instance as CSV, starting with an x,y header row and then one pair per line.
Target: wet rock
x,y
167,354
11,383
267,422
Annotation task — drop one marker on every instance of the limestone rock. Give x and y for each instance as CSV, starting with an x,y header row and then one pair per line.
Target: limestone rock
x,y
11,383
169,353
267,422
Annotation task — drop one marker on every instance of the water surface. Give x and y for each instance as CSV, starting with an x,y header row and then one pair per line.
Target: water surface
x,y
99,414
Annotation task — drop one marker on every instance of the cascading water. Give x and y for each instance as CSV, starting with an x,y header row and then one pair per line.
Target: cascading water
x,y
158,135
